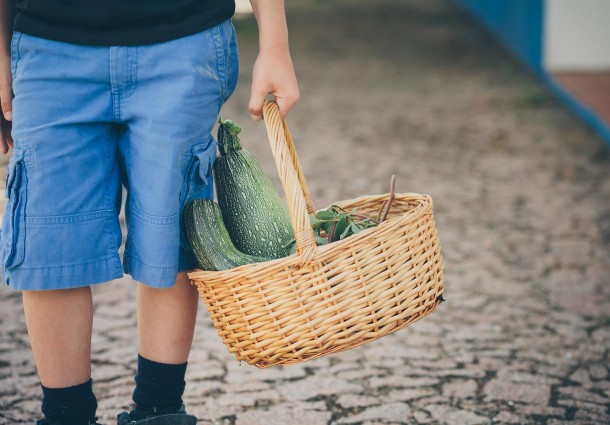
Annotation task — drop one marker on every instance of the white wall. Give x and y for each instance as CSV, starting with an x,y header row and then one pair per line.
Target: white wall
x,y
242,6
577,35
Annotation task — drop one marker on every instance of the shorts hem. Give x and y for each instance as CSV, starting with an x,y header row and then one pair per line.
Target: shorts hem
x,y
62,277
149,275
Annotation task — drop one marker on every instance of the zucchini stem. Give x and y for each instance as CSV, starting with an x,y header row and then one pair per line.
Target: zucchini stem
x,y
227,136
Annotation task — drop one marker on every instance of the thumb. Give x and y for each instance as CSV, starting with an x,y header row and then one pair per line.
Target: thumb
x,y
6,100
257,98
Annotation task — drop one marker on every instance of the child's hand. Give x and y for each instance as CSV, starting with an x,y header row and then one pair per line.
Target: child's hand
x,y
6,99
273,73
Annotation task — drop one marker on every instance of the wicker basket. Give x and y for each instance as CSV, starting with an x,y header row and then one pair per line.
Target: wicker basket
x,y
325,299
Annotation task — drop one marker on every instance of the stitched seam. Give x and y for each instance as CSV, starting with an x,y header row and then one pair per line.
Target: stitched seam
x,y
99,260
217,39
133,70
154,219
110,199
139,260
15,50
68,218
114,91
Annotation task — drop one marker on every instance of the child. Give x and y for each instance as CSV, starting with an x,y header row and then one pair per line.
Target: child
x,y
102,95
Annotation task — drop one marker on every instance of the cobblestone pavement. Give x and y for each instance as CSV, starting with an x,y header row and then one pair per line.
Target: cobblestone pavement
x,y
521,191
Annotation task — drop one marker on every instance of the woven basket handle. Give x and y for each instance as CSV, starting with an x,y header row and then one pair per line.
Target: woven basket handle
x,y
289,169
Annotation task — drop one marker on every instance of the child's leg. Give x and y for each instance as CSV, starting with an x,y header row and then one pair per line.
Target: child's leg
x,y
166,321
167,152
59,326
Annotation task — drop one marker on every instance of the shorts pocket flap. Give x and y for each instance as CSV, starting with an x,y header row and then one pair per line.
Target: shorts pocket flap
x,y
206,155
12,244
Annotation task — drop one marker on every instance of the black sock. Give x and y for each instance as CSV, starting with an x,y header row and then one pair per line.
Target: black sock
x,y
158,385
69,405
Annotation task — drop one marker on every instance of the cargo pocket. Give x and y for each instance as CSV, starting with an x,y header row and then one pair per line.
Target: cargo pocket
x,y
198,181
12,249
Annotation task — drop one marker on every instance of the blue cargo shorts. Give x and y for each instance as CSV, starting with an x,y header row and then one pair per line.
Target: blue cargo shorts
x,y
88,120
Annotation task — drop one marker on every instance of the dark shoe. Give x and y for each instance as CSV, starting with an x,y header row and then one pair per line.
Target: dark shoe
x,y
92,421
158,417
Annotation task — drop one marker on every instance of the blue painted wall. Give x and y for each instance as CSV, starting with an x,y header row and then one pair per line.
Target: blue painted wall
x,y
518,24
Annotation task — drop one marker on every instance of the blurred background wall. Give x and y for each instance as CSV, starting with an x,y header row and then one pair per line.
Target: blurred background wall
x,y
565,42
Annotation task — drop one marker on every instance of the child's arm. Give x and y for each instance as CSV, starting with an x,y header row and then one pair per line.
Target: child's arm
x,y
273,71
7,8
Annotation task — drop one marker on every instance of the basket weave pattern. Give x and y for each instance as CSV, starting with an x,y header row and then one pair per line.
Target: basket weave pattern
x,y
330,298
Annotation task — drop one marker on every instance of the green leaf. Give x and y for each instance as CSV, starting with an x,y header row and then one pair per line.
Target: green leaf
x,y
365,223
313,220
316,223
341,225
230,126
320,240
355,228
327,226
347,232
326,215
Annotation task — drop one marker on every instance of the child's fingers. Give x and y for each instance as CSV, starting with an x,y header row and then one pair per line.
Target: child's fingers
x,y
255,106
5,135
286,103
3,143
6,97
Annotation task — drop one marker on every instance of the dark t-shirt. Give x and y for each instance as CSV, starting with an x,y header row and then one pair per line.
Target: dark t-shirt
x,y
119,22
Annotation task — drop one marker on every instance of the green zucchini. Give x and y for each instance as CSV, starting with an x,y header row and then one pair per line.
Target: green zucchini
x,y
208,237
255,215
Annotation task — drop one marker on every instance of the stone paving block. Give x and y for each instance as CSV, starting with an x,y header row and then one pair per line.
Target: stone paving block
x,y
247,386
434,364
360,374
239,374
390,412
513,391
203,388
581,375
409,394
198,371
422,417
602,417
453,416
583,405
282,415
509,374
459,388
109,372
571,252
554,421
506,417
313,386
576,393
546,411
212,412
247,399
357,400
401,382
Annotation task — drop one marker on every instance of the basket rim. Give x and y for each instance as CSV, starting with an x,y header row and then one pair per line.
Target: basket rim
x,y
424,202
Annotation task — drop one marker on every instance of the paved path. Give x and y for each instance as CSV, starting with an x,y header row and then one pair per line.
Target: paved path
x,y
521,192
